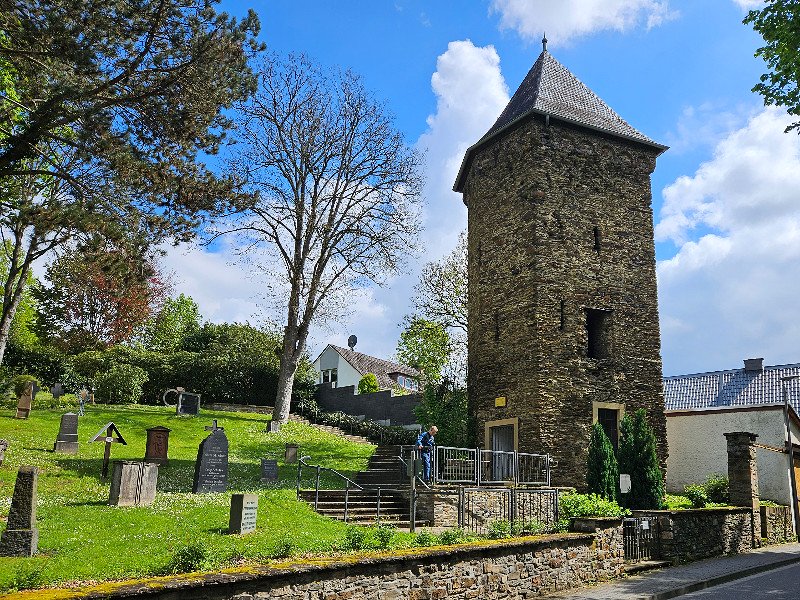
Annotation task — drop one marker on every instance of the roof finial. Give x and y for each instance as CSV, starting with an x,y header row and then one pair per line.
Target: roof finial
x,y
544,42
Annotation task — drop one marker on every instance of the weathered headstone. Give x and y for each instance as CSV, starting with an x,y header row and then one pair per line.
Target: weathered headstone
x,y
290,455
269,469
57,390
26,400
157,445
67,440
211,467
244,511
133,483
21,537
274,427
188,404
3,448
107,434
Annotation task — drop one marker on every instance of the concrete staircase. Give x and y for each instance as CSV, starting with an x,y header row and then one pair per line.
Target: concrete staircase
x,y
383,473
327,428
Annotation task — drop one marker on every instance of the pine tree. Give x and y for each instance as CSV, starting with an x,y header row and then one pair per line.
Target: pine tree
x,y
638,458
602,472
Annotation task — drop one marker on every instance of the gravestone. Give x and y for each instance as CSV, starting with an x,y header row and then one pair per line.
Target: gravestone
x,y
157,445
21,537
269,469
244,510
133,483
57,390
3,448
274,427
188,404
290,455
110,435
26,400
67,440
211,467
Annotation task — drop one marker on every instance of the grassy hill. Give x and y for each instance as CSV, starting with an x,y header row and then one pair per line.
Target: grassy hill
x,y
81,538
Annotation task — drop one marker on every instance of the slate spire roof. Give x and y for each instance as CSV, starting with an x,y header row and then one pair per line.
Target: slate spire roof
x,y
550,89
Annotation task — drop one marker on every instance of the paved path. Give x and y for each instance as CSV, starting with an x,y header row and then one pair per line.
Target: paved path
x,y
777,584
676,581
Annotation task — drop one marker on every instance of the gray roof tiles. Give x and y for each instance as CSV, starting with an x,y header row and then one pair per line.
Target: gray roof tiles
x,y
364,363
732,388
551,89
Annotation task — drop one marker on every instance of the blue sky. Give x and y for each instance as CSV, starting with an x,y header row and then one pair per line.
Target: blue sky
x,y
725,196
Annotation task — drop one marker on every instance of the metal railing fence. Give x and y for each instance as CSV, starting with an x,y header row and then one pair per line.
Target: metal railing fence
x,y
525,510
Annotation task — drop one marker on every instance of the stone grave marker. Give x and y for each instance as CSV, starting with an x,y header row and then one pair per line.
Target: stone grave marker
x,y
3,448
269,469
107,434
133,483
188,403
67,440
244,510
21,537
274,427
211,467
26,400
157,445
290,455
57,390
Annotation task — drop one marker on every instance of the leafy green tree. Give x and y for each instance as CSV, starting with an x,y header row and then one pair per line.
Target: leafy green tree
x,y
368,384
425,346
638,457
22,325
105,112
602,472
777,23
445,406
166,332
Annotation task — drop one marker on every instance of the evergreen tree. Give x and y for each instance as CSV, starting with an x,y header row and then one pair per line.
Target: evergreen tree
x,y
368,384
638,458
602,472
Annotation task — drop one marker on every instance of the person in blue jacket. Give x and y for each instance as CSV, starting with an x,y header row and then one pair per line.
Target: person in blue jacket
x,y
425,443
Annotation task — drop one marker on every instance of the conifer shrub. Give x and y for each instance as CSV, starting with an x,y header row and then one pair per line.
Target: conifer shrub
x,y
602,472
368,384
638,458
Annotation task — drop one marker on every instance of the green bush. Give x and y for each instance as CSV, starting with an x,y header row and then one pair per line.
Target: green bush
x,y
368,384
19,383
121,384
602,472
355,538
530,527
380,434
384,535
453,536
716,487
499,529
192,557
574,505
424,538
638,457
675,502
696,494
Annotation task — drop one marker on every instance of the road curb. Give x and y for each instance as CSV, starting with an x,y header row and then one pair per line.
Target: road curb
x,y
719,580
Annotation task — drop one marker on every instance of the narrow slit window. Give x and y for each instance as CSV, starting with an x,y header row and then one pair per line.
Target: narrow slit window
x,y
496,326
563,317
597,239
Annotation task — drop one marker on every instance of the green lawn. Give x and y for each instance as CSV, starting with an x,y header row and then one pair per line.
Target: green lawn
x,y
81,538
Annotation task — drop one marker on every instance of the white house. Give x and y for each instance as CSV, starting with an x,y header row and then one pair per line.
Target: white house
x,y
701,408
343,366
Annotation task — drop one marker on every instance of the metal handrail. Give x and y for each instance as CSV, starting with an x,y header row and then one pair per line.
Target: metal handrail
x,y
302,461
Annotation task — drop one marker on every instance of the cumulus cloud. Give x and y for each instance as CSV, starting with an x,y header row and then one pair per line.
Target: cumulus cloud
x,y
748,4
730,291
568,19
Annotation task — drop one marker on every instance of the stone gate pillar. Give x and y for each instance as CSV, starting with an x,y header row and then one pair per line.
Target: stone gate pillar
x,y
743,477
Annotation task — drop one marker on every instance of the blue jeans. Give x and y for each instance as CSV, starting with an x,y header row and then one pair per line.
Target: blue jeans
x,y
426,466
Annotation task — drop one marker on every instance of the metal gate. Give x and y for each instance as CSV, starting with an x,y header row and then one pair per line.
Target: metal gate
x,y
523,509
640,538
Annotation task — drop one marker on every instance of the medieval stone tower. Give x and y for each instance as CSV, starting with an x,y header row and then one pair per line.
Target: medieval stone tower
x,y
563,312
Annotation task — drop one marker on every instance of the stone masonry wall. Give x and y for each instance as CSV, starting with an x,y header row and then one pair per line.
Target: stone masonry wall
x,y
776,524
560,221
513,569
687,535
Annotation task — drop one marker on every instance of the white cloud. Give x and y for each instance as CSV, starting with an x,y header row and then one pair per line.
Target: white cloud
x,y
565,20
705,125
730,292
748,4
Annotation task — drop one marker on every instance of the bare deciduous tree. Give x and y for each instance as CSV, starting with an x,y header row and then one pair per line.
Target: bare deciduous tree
x,y
441,294
338,190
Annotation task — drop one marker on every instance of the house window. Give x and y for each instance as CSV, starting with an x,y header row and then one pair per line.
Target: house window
x,y
401,381
330,376
598,333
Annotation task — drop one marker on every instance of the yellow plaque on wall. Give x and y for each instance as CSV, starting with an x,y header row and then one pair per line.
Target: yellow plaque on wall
x,y
500,402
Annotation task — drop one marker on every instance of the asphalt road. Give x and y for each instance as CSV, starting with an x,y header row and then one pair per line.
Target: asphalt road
x,y
778,584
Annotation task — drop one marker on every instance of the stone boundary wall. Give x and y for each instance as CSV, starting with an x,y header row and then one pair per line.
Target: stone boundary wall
x,y
513,569
375,406
776,524
687,535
